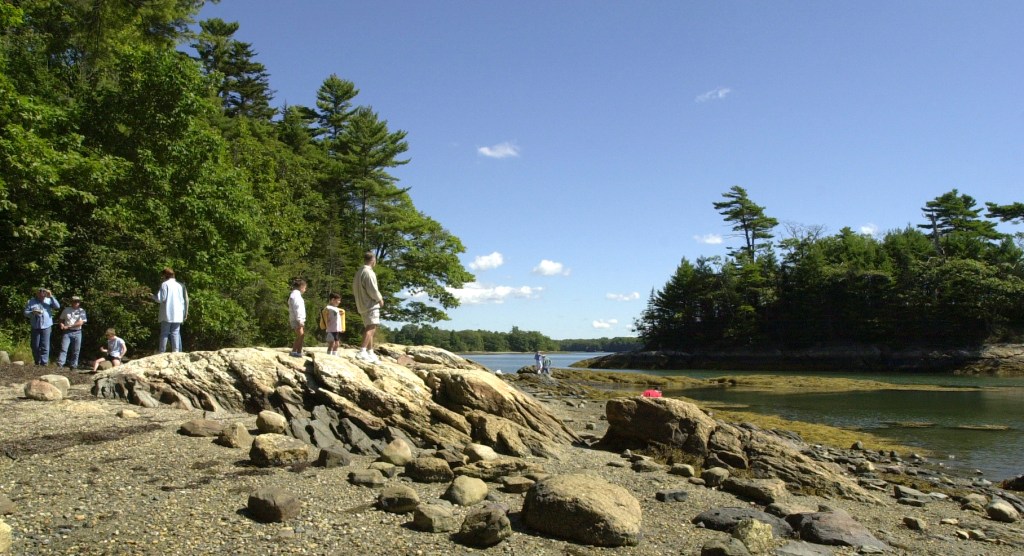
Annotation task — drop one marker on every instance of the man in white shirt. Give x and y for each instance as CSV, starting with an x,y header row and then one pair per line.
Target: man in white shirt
x,y
369,303
297,315
173,308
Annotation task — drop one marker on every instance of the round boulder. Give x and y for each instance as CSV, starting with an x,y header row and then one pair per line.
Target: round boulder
x,y
270,450
42,391
585,509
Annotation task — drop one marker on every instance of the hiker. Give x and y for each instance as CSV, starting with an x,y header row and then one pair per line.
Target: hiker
x,y
297,315
173,302
37,310
369,302
71,320
114,351
332,321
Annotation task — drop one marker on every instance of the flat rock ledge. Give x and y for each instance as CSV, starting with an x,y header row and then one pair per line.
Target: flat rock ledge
x,y
425,396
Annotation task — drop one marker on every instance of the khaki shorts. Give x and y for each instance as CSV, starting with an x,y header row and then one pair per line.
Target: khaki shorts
x,y
372,316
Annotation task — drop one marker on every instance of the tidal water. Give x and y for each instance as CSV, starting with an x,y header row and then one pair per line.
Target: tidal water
x,y
994,403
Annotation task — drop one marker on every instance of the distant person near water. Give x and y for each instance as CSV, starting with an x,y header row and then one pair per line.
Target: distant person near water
x,y
369,302
538,359
38,311
546,366
297,315
173,300
71,321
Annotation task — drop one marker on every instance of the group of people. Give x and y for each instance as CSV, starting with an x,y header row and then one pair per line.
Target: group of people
x,y
543,363
369,302
172,297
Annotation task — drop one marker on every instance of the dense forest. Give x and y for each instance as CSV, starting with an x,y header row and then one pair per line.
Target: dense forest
x,y
132,139
952,280
515,340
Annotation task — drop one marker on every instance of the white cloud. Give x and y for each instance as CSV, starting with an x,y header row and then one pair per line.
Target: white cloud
x,y
709,239
550,268
623,296
474,293
604,324
487,262
501,150
869,229
713,94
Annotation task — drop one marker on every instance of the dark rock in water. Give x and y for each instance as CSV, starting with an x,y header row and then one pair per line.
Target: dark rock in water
x,y
833,528
483,527
273,504
1016,483
726,519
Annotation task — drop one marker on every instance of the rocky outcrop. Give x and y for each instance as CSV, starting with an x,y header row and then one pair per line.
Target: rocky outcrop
x,y
340,403
678,425
994,359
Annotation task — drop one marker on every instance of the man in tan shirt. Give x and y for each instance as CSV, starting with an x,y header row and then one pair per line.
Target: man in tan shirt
x,y
368,303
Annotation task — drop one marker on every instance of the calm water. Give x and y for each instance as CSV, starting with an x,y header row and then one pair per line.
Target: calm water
x,y
991,401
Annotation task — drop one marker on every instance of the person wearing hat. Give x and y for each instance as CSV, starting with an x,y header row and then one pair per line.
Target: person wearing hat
x,y
37,311
71,320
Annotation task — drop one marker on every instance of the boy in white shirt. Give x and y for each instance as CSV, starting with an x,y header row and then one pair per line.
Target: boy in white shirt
x,y
113,352
334,317
297,315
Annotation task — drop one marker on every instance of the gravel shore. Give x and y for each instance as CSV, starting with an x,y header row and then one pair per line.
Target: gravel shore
x,y
84,480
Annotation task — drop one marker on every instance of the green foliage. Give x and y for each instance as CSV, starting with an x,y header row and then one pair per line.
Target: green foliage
x,y
960,285
474,340
119,156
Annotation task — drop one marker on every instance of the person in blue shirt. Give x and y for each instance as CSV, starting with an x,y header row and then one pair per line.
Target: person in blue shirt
x,y
71,320
38,311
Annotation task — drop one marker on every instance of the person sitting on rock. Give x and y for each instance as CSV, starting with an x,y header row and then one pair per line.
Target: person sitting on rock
x,y
114,351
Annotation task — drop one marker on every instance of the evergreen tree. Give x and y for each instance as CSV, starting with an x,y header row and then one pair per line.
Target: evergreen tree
x,y
749,219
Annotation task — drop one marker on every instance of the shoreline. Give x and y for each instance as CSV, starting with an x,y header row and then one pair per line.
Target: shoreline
x,y
1005,360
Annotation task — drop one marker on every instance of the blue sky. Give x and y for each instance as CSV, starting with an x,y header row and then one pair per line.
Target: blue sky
x,y
576,147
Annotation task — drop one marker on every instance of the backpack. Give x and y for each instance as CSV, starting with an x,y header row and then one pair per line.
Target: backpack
x,y
323,318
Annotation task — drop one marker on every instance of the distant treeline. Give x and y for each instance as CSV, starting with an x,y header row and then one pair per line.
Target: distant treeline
x,y
952,280
461,341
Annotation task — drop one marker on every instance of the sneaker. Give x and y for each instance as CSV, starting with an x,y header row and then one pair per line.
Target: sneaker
x,y
295,354
362,356
372,357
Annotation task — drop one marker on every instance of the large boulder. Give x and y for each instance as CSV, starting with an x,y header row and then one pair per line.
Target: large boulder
x,y
640,422
341,403
835,527
585,509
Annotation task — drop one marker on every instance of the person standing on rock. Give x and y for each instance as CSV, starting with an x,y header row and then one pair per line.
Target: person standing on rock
x,y
297,315
37,310
539,361
71,320
369,303
173,302
333,318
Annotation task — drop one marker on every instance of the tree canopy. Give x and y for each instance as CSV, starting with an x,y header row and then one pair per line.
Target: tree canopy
x,y
951,280
121,154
